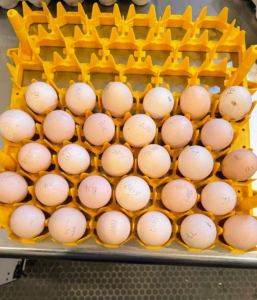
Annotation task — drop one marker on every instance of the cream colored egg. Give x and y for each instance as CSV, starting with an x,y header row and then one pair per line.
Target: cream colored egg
x,y
67,225
117,99
239,231
177,131
154,161
13,187
113,227
73,159
195,162
51,189
139,130
218,197
98,129
94,191
235,102
158,102
154,228
27,221
59,126
198,231
239,165
132,193
195,101
34,157
16,125
179,195
117,160
39,96
80,97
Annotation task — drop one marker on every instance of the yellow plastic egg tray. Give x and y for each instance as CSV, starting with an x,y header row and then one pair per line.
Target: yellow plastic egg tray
x,y
143,52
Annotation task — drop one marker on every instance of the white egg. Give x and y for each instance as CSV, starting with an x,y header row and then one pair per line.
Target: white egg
x,y
154,161
27,221
94,191
80,97
103,129
13,187
67,225
139,130
154,228
16,125
51,189
113,227
73,159
59,126
158,102
34,157
39,96
132,193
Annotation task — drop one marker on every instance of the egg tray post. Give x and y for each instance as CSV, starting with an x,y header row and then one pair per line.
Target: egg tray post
x,y
178,37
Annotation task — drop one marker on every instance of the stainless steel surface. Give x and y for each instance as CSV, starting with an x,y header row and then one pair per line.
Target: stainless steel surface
x,y
239,9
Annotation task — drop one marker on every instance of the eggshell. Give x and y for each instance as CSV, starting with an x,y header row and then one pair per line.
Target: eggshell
x,y
158,102
139,130
34,157
39,96
99,128
13,187
16,125
154,161
67,225
94,191
117,99
27,221
154,228
198,231
113,227
239,165
80,97
240,232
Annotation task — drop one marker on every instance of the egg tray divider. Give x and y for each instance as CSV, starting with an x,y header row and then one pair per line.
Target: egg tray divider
x,y
27,57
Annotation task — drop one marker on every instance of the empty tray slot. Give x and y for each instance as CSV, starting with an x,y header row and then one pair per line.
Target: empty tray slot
x,y
28,75
158,57
195,58
84,54
68,29
63,78
46,53
141,32
176,83
177,33
100,80
213,34
138,81
33,28
216,84
104,31
231,56
121,56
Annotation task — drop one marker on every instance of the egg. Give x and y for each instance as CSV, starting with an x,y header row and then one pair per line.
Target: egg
x,y
94,191
80,97
198,231
235,102
239,231
158,102
117,99
217,133
16,125
51,189
195,162
139,130
34,157
27,221
103,129
67,225
117,160
59,126
154,161
39,96
218,197
195,101
13,187
73,159
239,165
113,227
132,193
179,195
177,131
154,228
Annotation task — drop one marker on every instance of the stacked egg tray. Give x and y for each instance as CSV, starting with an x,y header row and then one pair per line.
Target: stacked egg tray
x,y
177,37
